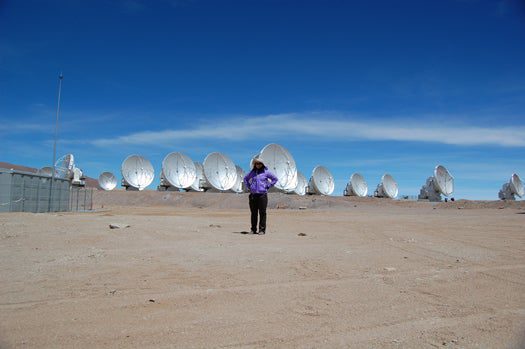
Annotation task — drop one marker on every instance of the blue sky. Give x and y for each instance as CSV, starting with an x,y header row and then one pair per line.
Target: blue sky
x,y
369,87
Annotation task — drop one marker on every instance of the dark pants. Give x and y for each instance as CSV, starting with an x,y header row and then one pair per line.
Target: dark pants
x,y
258,203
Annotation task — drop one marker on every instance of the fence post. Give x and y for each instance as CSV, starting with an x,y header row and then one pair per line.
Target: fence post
x,y
57,198
38,195
23,197
11,194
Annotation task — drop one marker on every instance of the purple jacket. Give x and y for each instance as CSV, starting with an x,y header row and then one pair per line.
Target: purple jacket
x,y
259,183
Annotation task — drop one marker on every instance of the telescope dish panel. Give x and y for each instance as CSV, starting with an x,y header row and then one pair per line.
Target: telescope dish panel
x,y
357,186
322,181
179,170
302,184
293,183
46,171
107,181
237,188
64,166
516,185
443,180
388,186
199,176
137,171
281,163
220,171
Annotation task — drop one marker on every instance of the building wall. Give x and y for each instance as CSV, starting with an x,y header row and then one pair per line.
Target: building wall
x,y
29,192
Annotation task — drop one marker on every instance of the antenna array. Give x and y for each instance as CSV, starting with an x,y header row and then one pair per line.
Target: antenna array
x,y
219,173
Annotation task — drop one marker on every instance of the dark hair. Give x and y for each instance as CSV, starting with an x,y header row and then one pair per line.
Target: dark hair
x,y
255,162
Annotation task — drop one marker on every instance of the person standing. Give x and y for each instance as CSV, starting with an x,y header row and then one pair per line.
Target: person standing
x,y
258,181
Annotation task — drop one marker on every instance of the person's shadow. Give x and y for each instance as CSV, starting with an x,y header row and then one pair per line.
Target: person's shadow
x,y
243,232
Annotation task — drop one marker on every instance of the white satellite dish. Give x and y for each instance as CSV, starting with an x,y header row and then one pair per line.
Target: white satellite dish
x,y
356,186
107,181
238,186
441,183
302,185
64,166
197,184
321,182
281,163
220,171
137,171
45,171
178,171
387,188
512,188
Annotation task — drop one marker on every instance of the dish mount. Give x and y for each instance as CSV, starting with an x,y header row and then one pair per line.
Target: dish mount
x,y
441,183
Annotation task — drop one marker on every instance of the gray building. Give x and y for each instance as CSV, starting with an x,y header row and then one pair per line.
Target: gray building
x,y
29,192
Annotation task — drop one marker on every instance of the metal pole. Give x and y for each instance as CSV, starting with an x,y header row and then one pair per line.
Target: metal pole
x,y
60,78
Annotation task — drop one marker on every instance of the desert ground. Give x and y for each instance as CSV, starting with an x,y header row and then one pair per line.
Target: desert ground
x,y
330,273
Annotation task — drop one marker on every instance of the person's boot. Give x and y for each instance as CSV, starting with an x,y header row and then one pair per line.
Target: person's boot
x,y
261,232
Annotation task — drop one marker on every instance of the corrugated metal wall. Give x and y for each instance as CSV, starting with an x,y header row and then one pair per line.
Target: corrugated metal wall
x,y
29,192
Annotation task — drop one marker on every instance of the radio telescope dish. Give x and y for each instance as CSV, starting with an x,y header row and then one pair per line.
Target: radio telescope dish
x,y
237,188
46,171
387,188
302,184
199,177
512,188
321,182
220,171
64,166
137,171
356,186
107,181
516,185
441,183
444,180
281,163
289,189
178,170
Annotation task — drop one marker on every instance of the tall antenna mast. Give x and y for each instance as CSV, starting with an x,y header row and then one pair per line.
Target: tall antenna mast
x,y
60,78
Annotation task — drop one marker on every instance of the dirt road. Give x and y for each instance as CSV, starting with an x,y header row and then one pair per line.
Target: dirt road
x,y
362,277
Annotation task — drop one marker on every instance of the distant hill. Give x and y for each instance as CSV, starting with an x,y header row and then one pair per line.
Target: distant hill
x,y
17,167
90,182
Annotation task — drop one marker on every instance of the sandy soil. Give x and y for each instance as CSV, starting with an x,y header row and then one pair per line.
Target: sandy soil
x,y
368,274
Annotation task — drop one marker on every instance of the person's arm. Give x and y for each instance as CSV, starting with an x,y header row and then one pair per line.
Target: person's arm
x,y
247,179
273,179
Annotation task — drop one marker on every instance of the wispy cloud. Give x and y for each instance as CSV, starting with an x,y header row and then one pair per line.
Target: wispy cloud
x,y
328,127
25,127
70,122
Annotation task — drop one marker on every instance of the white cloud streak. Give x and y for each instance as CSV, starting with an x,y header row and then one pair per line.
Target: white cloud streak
x,y
25,127
327,127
